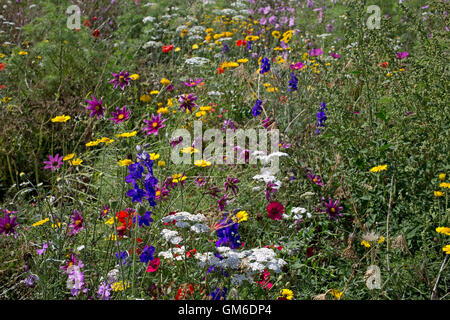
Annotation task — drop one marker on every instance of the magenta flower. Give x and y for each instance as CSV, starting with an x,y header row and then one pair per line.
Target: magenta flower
x,y
153,265
77,223
120,115
335,55
315,179
402,55
193,83
297,66
54,162
95,107
315,52
154,124
231,183
7,224
267,122
175,141
223,202
271,188
331,207
187,102
275,210
121,79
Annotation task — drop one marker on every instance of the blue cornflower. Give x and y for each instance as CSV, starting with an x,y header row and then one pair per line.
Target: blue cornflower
x,y
265,66
218,294
145,219
321,117
293,82
147,254
257,109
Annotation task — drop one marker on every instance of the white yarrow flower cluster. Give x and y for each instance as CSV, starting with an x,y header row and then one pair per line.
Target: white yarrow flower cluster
x,y
197,61
185,220
173,253
171,236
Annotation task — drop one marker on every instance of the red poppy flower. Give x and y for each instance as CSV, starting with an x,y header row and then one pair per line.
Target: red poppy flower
x,y
191,253
221,70
154,265
168,48
2,87
384,64
87,23
275,210
241,43
2,66
96,33
283,99
94,18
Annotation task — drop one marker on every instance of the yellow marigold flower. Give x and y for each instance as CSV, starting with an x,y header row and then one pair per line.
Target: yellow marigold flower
x,y
445,185
280,60
106,140
287,36
126,134
41,222
110,221
442,176
69,157
438,193
178,177
125,162
92,143
195,46
57,225
154,156
228,34
200,114
240,216
165,81
443,230
276,34
202,163
22,53
134,76
379,168
446,249
163,110
177,49
365,243
381,239
120,286
336,293
145,98
154,92
76,162
205,108
288,294
272,89
245,60
62,118
161,163
2,55
209,30
190,150
278,48
251,38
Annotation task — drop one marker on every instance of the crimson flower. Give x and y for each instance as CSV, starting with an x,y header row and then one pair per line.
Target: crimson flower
x,y
275,210
167,48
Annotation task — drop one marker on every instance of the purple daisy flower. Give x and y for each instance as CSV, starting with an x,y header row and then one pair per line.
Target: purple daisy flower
x,y
121,79
7,224
228,124
331,207
402,55
54,162
154,124
222,202
187,102
315,179
95,107
231,184
267,122
271,188
77,223
120,115
193,83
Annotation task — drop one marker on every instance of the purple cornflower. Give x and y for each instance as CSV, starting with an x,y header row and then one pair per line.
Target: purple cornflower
x,y
54,162
223,202
231,184
95,107
193,83
120,115
293,82
315,179
315,52
267,122
228,124
402,55
257,109
271,188
335,55
77,223
154,124
121,79
7,224
331,207
265,66
187,102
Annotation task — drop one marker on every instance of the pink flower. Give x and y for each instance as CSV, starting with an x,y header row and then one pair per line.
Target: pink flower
x,y
154,265
275,210
154,124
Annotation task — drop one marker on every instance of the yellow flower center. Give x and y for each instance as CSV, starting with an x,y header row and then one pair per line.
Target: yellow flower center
x,y
155,124
120,116
333,210
78,222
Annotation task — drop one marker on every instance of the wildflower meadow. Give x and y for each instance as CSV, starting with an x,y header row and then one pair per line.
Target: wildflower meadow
x,y
224,150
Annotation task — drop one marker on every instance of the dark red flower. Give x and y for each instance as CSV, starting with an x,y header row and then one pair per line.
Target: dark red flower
x,y
96,33
275,210
167,48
